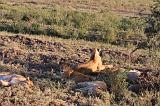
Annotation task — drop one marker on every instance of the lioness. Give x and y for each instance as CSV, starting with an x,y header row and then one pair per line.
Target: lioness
x,y
95,63
68,72
78,73
7,79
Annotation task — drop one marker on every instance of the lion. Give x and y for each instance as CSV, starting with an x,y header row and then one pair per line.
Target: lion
x,y
78,72
7,79
68,72
94,64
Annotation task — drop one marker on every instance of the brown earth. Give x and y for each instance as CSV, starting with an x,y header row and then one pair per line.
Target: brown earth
x,y
41,60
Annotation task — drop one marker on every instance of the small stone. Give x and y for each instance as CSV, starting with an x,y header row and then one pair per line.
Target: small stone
x,y
133,75
90,88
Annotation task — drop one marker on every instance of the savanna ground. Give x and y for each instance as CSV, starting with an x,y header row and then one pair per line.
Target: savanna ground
x,y
39,56
76,23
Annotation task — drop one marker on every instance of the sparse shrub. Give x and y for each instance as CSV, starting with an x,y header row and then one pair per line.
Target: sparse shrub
x,y
35,28
25,17
110,35
78,19
125,24
10,27
102,27
152,29
8,16
49,21
118,86
52,32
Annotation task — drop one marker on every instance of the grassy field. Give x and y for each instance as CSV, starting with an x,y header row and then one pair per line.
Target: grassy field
x,y
39,58
38,35
129,5
54,18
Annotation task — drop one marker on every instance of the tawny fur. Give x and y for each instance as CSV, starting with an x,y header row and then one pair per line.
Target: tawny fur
x,y
95,63
78,73
7,79
68,72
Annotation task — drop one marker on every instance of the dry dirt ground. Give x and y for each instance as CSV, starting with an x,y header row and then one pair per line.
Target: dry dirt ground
x,y
40,58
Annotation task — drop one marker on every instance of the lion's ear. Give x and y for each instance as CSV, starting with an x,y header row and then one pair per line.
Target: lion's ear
x,y
28,78
99,49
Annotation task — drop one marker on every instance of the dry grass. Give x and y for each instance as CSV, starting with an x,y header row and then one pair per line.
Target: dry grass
x,y
40,60
39,56
92,4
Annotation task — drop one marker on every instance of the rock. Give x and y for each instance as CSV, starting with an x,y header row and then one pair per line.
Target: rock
x,y
135,88
7,79
90,88
133,75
